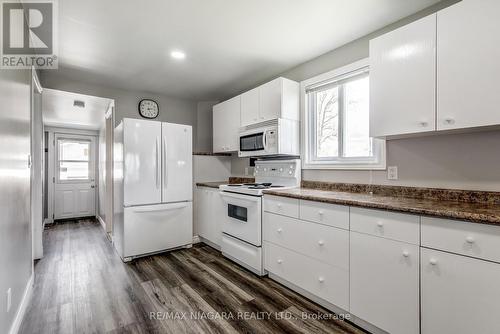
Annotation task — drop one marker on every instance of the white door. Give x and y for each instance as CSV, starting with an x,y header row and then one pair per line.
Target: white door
x,y
177,163
467,64
154,228
250,107
459,294
142,161
384,283
74,176
243,217
403,80
270,100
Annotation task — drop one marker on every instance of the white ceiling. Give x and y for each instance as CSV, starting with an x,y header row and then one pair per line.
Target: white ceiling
x,y
58,110
230,44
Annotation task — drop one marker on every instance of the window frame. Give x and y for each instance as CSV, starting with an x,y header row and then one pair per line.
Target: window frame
x,y
378,162
91,162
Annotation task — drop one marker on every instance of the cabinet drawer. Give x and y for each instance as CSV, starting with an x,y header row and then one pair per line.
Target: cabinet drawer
x,y
324,243
327,282
323,213
282,205
476,240
391,225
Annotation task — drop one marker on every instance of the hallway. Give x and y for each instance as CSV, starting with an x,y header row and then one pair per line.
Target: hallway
x,y
81,286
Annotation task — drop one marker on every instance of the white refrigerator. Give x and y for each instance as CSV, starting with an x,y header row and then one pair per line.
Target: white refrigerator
x,y
152,187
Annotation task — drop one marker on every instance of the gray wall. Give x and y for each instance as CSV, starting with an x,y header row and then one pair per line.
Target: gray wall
x,y
15,227
464,161
203,138
172,110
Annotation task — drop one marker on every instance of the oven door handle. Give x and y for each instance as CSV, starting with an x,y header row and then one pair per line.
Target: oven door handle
x,y
239,200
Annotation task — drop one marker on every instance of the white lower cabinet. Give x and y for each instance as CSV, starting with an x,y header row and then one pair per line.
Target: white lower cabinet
x,y
384,283
328,282
209,215
459,294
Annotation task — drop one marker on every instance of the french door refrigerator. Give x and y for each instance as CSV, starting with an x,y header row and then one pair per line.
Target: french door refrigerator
x,y
152,187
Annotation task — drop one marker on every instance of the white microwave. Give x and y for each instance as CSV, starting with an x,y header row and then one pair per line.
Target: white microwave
x,y
272,138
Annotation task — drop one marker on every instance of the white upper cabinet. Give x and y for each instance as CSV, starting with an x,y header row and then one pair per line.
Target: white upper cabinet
x,y
403,80
250,107
468,37
226,124
278,98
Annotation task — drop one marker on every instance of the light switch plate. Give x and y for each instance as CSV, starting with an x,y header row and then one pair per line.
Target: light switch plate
x,y
392,172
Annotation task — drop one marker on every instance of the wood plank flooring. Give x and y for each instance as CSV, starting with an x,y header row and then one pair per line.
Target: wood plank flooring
x,y
82,286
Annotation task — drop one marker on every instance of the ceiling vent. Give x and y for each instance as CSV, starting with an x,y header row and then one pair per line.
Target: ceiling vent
x,y
79,104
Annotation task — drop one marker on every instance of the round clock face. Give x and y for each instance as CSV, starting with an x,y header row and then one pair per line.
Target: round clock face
x,y
148,108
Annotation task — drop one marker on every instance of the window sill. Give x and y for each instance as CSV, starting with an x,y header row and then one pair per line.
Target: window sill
x,y
330,166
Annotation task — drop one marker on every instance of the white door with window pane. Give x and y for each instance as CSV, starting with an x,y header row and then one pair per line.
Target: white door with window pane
x,y
74,180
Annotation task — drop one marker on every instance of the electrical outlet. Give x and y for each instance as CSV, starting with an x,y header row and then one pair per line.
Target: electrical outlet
x,y
9,299
392,172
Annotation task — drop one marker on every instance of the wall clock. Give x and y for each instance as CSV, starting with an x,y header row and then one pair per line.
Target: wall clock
x,y
148,108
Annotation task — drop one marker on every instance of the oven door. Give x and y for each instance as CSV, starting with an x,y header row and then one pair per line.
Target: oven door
x,y
243,217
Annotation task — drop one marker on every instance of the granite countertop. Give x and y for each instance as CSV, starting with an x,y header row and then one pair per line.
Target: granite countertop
x,y
215,184
478,212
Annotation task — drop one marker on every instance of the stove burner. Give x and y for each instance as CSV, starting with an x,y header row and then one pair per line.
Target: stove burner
x,y
265,184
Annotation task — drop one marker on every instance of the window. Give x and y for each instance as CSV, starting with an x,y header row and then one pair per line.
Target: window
x,y
336,128
74,162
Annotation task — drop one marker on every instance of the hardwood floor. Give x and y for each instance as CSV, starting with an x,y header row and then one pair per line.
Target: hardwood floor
x,y
82,286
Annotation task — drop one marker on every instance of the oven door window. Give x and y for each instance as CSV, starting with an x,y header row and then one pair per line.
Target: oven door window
x,y
253,142
237,212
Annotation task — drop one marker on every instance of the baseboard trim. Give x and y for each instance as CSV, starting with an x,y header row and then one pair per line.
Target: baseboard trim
x,y
18,319
196,239
102,222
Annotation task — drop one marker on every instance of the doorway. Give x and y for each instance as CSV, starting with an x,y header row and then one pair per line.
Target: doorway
x,y
74,179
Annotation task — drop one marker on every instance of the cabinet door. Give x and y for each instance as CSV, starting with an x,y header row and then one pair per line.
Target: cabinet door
x,y
217,215
250,107
467,64
226,125
202,207
384,283
403,80
459,294
270,100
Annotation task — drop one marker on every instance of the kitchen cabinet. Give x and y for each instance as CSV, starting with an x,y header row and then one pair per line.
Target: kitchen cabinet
x,y
467,65
384,282
278,98
250,107
209,215
403,80
459,294
226,124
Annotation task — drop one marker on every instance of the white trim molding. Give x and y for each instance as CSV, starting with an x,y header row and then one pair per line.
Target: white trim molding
x,y
348,164
23,306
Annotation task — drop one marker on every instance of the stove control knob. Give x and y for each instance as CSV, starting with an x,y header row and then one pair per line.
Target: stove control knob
x,y
281,169
290,172
265,169
291,166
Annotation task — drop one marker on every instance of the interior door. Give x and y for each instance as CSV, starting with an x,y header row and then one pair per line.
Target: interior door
x,y
177,161
74,176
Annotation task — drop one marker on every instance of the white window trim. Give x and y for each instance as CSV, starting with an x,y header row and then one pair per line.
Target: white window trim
x,y
347,164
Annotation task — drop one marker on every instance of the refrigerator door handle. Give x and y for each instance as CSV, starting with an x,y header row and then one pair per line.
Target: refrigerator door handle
x,y
157,164
170,207
165,163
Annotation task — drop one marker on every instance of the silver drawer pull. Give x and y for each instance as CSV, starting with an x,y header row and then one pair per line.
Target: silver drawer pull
x,y
321,242
380,224
406,253
433,261
321,279
280,261
279,230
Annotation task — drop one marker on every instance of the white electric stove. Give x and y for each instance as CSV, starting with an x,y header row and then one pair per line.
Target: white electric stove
x,y
242,226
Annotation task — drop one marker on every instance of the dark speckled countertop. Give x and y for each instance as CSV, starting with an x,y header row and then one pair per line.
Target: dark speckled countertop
x,y
486,212
215,184
232,180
